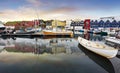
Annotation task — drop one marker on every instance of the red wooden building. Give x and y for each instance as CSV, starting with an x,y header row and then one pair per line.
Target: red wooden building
x,y
87,24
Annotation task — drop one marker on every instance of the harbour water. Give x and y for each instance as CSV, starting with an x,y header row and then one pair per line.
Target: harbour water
x,y
53,55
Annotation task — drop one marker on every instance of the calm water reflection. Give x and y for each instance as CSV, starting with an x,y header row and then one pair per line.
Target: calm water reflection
x,y
56,55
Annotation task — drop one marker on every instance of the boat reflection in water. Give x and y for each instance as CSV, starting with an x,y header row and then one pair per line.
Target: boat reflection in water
x,y
41,46
116,63
93,37
103,62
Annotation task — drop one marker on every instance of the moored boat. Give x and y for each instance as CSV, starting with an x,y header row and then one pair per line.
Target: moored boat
x,y
112,32
54,32
118,34
99,49
114,41
94,31
24,32
97,31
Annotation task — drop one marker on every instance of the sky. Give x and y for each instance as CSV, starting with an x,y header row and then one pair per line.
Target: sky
x,y
18,10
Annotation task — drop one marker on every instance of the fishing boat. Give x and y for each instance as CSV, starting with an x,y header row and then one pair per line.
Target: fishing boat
x,y
97,48
57,32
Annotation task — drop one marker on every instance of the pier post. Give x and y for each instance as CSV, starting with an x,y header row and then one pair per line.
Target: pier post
x,y
73,30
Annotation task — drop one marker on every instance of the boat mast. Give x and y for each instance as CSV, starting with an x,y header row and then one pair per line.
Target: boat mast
x,y
37,19
55,25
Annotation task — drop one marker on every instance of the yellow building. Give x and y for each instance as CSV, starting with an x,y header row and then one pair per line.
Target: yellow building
x,y
56,23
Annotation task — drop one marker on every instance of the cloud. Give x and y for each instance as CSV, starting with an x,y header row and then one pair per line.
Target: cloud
x,y
29,13
17,15
36,3
64,9
25,13
1,12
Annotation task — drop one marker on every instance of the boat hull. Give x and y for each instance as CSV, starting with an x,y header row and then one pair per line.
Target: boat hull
x,y
57,33
104,51
31,32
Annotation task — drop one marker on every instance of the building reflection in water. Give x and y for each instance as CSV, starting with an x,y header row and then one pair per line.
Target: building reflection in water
x,y
110,65
93,37
87,35
40,46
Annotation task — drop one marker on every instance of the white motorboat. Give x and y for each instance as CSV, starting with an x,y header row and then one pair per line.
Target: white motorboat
x,y
112,32
98,48
113,41
109,31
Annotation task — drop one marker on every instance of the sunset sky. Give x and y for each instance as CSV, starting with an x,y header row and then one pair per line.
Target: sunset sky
x,y
17,10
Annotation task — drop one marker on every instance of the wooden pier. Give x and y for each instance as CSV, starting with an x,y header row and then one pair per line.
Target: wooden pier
x,y
40,35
